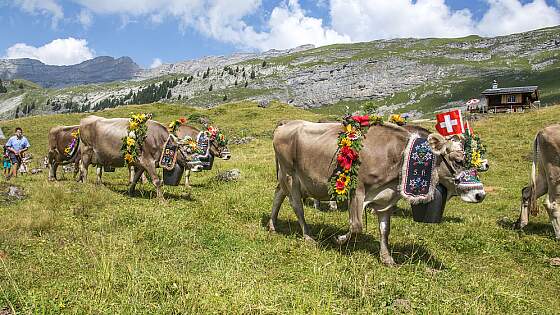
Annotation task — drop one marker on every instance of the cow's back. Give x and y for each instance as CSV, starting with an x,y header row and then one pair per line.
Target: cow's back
x,y
549,145
103,139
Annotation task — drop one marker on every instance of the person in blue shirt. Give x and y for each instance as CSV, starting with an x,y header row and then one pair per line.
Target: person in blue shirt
x,y
17,145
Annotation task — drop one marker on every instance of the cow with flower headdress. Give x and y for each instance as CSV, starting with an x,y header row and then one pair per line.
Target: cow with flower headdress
x,y
211,142
63,148
137,142
377,169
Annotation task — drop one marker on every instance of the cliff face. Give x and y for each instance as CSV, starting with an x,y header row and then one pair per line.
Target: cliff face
x,y
97,70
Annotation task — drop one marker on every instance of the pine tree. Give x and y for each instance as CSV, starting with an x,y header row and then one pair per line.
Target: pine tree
x,y
246,83
235,82
3,89
225,97
168,94
253,74
211,88
264,63
20,86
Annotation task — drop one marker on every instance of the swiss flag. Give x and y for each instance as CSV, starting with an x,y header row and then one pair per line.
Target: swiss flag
x,y
450,123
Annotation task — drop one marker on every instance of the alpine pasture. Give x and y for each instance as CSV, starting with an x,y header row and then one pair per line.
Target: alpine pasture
x,y
85,248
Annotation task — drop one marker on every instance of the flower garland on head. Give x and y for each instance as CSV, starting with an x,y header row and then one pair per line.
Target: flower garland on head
x,y
72,145
136,134
397,119
474,151
174,125
216,134
345,177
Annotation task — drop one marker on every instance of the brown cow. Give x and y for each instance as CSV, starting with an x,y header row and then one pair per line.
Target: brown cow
x,y
213,149
544,179
304,159
60,138
101,141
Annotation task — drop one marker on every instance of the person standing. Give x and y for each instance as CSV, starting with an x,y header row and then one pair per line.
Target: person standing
x,y
17,145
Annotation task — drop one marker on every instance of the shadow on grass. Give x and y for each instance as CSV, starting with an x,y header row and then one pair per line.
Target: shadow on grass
x,y
532,228
407,213
149,194
326,234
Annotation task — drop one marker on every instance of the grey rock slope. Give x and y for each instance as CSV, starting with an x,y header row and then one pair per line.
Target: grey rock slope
x,y
100,69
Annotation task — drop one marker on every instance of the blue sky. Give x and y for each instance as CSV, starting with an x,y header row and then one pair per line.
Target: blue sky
x,y
150,31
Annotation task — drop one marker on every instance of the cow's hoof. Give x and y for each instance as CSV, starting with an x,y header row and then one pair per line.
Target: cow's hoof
x,y
388,261
52,179
518,225
271,227
342,239
309,239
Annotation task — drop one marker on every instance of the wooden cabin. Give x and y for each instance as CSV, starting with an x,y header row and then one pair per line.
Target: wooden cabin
x,y
510,99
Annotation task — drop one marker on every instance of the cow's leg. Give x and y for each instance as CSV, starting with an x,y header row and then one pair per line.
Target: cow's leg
x,y
540,190
297,205
134,180
279,197
84,164
150,168
99,172
76,169
355,212
52,170
187,178
553,209
384,218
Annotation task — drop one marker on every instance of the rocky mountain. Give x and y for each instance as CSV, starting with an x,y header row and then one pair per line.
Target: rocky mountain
x,y
418,76
100,69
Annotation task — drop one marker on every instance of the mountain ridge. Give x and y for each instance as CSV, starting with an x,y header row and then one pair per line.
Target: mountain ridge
x,y
418,76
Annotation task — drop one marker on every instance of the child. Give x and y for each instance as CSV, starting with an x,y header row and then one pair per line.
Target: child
x,y
7,163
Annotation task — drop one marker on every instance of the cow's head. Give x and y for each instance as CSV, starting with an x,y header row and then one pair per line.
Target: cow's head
x,y
187,156
458,176
218,143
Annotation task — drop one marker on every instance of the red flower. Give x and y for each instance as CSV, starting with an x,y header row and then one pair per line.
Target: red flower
x,y
182,120
362,120
345,157
340,185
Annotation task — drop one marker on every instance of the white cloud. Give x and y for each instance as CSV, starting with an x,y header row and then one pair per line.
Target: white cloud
x,y
156,63
45,7
67,51
365,20
510,16
85,18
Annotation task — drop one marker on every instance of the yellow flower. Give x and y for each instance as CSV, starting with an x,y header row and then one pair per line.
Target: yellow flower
x,y
130,142
345,142
476,161
76,133
128,157
349,128
142,117
341,192
133,125
67,150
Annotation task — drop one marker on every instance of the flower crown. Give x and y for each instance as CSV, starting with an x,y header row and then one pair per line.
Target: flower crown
x,y
216,134
174,125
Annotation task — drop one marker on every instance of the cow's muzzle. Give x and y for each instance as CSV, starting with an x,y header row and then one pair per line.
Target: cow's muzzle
x,y
225,155
484,166
195,166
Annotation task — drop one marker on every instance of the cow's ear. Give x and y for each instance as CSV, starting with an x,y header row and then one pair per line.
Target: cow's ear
x,y
438,143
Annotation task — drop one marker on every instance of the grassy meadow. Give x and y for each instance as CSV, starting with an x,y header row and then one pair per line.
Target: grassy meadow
x,y
83,248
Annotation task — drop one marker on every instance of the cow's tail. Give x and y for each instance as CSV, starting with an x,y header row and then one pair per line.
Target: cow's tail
x,y
532,202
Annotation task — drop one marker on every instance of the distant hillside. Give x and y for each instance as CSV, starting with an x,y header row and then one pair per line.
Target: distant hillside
x,y
419,76
100,69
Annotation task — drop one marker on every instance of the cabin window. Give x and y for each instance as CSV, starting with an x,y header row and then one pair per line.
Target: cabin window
x,y
511,99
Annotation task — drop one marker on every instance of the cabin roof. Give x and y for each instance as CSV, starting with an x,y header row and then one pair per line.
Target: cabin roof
x,y
511,90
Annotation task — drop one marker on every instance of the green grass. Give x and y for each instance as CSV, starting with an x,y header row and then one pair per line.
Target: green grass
x,y
82,248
